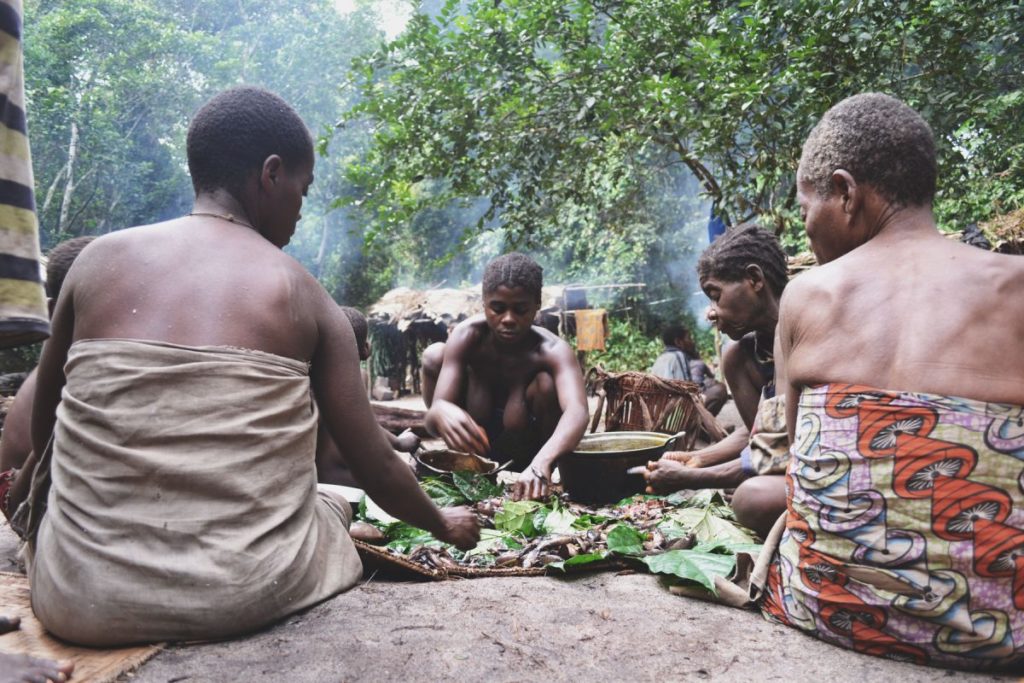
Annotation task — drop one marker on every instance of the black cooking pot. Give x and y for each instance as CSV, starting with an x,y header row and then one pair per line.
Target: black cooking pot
x,y
596,472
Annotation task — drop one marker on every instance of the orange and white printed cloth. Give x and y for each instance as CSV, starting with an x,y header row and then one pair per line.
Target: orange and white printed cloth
x,y
905,528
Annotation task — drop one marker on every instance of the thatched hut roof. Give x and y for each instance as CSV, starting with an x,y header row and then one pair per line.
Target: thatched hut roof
x,y
403,306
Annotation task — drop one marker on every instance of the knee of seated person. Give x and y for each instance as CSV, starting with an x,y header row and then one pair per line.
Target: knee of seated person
x,y
754,502
541,388
432,358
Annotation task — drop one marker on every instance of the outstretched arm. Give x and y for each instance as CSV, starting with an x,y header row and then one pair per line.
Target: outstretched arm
x,y
572,399
350,420
446,418
50,377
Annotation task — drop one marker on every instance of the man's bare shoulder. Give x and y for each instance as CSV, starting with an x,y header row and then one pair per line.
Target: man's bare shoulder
x,y
816,285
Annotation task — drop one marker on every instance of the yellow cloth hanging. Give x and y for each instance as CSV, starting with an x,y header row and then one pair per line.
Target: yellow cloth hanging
x,y
591,329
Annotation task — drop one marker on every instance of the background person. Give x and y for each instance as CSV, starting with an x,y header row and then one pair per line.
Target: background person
x,y
681,360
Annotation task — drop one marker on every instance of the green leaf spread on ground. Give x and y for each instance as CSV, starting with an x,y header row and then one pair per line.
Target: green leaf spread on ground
x,y
692,565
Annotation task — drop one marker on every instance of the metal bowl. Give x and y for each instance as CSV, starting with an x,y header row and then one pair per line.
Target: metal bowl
x,y
597,470
444,461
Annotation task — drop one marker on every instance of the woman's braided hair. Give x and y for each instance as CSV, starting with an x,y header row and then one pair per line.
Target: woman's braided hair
x,y
514,270
729,255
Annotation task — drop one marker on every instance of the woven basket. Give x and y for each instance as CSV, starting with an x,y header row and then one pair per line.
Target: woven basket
x,y
638,401
378,561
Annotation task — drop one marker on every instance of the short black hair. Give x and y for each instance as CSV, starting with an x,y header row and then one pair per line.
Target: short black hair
x,y
359,326
59,261
673,332
743,245
514,270
233,134
881,142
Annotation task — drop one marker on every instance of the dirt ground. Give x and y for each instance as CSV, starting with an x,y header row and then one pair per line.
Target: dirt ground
x,y
592,627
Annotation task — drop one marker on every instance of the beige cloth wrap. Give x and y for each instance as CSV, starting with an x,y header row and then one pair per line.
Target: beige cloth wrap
x,y
184,502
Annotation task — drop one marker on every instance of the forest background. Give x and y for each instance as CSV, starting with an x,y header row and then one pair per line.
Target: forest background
x,y
598,136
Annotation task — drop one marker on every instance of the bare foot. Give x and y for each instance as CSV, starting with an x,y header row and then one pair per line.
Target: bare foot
x,y
25,669
668,475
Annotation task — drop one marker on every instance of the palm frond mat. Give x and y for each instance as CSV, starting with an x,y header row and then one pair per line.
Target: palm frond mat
x,y
689,537
95,665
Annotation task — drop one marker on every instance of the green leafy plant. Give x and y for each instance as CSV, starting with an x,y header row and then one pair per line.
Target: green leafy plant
x,y
627,348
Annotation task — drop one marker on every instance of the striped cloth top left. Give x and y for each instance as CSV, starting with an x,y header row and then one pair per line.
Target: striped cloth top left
x,y
23,314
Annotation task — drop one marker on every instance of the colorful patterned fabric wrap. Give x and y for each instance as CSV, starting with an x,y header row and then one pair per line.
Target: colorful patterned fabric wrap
x,y
905,530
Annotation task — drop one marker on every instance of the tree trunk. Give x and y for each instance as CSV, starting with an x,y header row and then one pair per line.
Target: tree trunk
x,y
69,186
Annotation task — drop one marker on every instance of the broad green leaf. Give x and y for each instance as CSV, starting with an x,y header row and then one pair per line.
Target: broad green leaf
x,y
625,540
491,540
702,498
476,487
517,517
559,521
728,548
707,527
577,560
692,566
442,493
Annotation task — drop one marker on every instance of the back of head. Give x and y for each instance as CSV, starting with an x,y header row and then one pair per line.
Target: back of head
x,y
673,333
59,261
881,142
747,244
233,134
359,326
514,270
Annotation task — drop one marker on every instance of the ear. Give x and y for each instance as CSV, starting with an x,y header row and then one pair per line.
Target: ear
x,y
850,194
756,277
270,172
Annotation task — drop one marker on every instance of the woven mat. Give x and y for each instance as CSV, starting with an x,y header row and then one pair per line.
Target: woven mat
x,y
96,666
378,561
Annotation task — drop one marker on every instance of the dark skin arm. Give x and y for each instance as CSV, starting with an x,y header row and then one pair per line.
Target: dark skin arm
x,y
50,373
745,385
446,419
16,443
572,399
350,420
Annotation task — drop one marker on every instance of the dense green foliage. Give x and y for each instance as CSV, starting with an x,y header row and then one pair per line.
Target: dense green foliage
x,y
583,131
563,113
111,85
627,348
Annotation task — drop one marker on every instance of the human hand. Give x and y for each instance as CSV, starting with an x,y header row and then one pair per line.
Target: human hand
x,y
459,431
407,442
688,458
533,484
667,476
461,528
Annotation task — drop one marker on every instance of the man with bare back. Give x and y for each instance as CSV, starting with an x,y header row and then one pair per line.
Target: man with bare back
x,y
902,361
504,387
184,502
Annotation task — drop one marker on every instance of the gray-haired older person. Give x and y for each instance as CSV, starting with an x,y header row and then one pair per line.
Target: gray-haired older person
x,y
902,361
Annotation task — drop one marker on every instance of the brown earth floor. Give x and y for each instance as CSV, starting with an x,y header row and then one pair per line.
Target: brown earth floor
x,y
588,628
